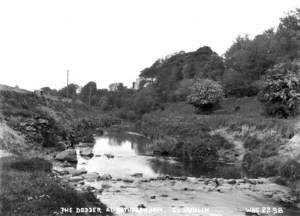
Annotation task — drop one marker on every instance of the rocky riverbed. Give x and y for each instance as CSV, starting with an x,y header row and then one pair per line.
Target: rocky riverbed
x,y
169,195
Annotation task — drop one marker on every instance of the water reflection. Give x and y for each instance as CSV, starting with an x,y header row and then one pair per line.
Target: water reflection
x,y
130,156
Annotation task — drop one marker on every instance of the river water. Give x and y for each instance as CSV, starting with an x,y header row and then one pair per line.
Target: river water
x,y
130,155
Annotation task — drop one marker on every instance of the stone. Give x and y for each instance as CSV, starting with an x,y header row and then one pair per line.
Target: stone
x,y
145,180
137,175
152,197
87,152
77,172
285,200
109,156
106,186
66,164
91,177
127,180
104,177
141,206
250,181
188,189
100,191
68,155
231,181
60,170
268,194
75,179
164,195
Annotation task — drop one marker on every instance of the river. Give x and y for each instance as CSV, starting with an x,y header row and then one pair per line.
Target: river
x,y
124,155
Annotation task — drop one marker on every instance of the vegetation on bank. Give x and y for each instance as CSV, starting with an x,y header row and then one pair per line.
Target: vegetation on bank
x,y
31,125
28,188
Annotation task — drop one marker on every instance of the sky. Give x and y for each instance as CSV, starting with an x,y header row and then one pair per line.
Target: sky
x,y
110,41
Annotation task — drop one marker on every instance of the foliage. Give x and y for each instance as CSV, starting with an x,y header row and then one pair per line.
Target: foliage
x,y
253,57
48,91
34,190
235,85
205,93
290,170
32,164
183,89
288,36
281,92
88,92
69,91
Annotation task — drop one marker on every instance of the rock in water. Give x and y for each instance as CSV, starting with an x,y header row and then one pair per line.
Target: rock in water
x,y
88,152
137,175
105,177
67,155
109,156
91,177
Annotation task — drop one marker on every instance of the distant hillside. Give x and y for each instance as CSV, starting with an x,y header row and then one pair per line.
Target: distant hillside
x,y
15,89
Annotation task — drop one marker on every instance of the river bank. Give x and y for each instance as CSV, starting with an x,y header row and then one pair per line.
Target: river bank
x,y
34,130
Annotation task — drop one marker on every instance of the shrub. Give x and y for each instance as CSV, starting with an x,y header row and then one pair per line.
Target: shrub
x,y
205,94
32,164
290,170
281,91
201,149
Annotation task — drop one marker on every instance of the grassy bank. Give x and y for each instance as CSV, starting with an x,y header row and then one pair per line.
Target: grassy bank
x,y
28,188
32,126
178,131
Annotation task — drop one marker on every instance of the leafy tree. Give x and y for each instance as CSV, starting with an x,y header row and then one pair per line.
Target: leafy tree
x,y
48,91
253,57
116,86
69,91
88,92
205,94
281,92
288,36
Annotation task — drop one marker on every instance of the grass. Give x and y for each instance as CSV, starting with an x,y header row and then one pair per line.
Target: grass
x,y
29,189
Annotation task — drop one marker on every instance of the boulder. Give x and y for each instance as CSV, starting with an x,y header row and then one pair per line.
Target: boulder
x,y
67,155
91,177
60,170
87,152
104,177
231,181
141,206
127,180
109,156
75,179
77,172
137,175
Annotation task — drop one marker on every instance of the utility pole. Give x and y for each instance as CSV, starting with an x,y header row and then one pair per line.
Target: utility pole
x,y
90,94
67,83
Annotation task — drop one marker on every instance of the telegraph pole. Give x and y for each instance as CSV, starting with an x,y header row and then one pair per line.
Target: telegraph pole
x,y
90,94
67,83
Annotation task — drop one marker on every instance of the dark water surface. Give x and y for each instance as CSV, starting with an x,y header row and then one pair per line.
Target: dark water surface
x,y
130,156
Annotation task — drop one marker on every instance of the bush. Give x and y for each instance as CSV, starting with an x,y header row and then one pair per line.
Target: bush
x,y
201,149
205,94
32,164
290,170
281,92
